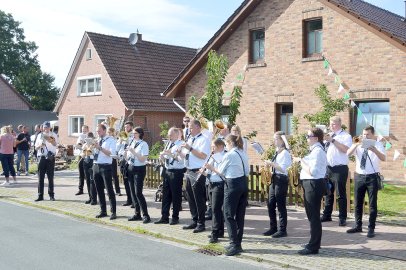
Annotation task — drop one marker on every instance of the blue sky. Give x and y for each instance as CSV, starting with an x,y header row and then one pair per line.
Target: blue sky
x,y
178,22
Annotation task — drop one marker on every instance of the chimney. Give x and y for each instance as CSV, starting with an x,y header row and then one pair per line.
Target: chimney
x,y
134,38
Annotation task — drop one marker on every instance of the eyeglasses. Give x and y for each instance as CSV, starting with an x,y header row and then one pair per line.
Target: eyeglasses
x,y
186,121
309,136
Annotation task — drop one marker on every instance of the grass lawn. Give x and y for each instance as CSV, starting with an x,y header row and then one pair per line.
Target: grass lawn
x,y
392,201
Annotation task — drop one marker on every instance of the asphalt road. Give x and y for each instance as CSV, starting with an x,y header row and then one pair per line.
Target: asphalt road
x,y
33,239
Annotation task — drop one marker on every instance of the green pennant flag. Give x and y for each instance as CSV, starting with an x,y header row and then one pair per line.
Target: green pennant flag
x,y
388,146
337,79
359,113
239,77
347,97
326,64
404,163
227,93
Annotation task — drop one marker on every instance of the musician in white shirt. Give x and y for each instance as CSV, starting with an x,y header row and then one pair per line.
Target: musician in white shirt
x,y
197,150
172,178
216,190
279,186
102,171
46,151
312,176
366,179
79,144
138,152
337,144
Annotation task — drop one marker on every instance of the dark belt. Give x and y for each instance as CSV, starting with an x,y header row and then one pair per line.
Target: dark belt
x,y
215,184
337,166
174,170
194,170
102,164
368,175
318,179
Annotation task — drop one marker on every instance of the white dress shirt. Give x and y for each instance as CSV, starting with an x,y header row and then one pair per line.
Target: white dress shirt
x,y
334,156
215,161
140,147
174,163
317,162
284,160
81,138
108,143
201,144
369,169
48,146
233,166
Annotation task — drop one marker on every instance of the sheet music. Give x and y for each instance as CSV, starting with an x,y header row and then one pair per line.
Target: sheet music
x,y
366,143
258,148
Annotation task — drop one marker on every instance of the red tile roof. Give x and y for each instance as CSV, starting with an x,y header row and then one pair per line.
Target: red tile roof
x,y
141,72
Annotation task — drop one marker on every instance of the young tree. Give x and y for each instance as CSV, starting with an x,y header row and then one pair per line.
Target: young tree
x,y
19,64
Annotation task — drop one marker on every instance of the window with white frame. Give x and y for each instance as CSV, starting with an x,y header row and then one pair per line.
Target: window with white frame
x,y
375,113
75,123
89,86
89,54
99,118
284,114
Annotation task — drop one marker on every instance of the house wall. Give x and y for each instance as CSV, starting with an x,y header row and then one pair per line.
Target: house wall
x,y
363,61
9,99
109,102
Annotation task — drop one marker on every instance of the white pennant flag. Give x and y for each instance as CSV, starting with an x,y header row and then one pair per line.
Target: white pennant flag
x,y
340,88
330,71
353,104
396,155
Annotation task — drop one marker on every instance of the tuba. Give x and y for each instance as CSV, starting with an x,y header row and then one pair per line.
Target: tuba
x,y
219,127
111,121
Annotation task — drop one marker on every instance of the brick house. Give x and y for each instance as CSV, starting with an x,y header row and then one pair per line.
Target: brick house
x,y
117,76
10,98
279,46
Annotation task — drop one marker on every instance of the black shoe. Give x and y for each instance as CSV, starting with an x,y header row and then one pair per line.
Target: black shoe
x,y
279,234
80,192
174,221
146,219
270,232
342,222
190,226
233,250
371,233
119,194
113,216
355,230
126,204
132,206
307,251
52,198
88,202
101,215
325,219
199,229
135,218
39,199
208,217
162,221
232,246
213,239
220,234
93,203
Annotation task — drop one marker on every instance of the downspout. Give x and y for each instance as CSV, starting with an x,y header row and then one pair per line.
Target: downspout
x,y
179,106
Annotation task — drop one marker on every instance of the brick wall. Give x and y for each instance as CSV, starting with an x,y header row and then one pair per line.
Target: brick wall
x,y
361,58
9,99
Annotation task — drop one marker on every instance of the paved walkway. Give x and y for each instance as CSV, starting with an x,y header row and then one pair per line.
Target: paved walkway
x,y
339,249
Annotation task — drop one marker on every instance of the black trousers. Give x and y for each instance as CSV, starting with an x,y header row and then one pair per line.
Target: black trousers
x,y
366,183
81,174
235,203
124,173
46,166
196,197
217,201
338,177
91,185
209,201
136,176
277,198
172,192
313,193
115,176
102,178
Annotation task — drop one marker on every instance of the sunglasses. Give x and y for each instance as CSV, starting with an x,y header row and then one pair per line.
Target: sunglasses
x,y
310,136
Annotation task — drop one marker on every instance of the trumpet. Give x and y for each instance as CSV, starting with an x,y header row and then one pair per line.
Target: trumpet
x,y
219,127
357,139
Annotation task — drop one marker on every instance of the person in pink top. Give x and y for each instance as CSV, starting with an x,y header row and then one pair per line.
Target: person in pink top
x,y
7,142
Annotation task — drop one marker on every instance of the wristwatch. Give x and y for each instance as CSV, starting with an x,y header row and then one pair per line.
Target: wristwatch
x,y
333,140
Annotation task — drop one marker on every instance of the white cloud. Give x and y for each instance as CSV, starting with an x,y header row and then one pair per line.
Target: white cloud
x,y
58,26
